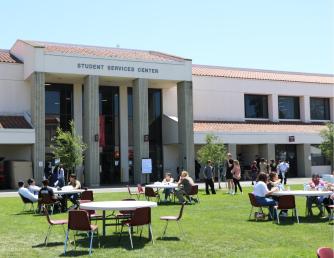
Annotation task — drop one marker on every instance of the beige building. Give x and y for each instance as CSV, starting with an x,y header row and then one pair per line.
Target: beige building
x,y
133,104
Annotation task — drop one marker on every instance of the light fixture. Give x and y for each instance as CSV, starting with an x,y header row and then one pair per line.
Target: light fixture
x,y
47,84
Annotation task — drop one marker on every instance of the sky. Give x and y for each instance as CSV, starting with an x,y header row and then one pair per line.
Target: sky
x,y
285,35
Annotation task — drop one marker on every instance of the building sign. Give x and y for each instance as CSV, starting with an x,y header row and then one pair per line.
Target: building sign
x,y
291,139
102,67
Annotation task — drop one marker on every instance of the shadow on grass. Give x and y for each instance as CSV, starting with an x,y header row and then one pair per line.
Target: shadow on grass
x,y
168,239
24,213
50,244
76,253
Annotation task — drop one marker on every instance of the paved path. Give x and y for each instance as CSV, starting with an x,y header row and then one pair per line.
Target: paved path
x,y
291,181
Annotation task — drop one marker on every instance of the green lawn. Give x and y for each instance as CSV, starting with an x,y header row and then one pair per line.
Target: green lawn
x,y
217,227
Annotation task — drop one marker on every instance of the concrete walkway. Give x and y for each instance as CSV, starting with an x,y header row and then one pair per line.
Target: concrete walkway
x,y
291,181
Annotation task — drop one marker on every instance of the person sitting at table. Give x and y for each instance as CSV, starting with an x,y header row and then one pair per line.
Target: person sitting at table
x,y
167,180
26,193
47,190
261,193
330,199
32,187
185,183
315,184
274,181
76,185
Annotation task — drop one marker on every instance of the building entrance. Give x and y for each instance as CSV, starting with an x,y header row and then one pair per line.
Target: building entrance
x,y
289,153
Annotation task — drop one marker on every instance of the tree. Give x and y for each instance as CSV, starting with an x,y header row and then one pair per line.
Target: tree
x,y
327,144
68,147
213,150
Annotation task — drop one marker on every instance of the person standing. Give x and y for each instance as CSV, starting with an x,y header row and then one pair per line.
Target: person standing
x,y
61,176
236,172
229,176
263,166
272,166
283,168
254,171
197,170
208,176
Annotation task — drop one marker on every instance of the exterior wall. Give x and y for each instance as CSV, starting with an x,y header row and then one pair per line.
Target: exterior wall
x,y
15,94
226,95
16,152
321,170
171,156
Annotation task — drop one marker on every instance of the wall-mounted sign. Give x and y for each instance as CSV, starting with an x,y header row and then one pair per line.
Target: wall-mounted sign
x,y
102,67
291,139
146,138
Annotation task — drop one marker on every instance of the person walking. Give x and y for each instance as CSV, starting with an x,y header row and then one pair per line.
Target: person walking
x,y
283,168
208,176
236,172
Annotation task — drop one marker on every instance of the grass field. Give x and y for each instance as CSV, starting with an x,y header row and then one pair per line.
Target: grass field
x,y
216,227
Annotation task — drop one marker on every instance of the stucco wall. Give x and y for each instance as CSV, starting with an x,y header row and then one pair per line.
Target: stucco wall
x,y
218,98
15,93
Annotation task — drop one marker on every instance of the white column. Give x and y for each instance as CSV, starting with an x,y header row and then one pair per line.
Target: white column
x,y
140,126
304,160
273,107
77,118
38,121
305,115
124,137
185,126
91,130
232,148
77,107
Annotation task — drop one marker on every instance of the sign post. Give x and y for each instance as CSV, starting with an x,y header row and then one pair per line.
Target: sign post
x,y
146,167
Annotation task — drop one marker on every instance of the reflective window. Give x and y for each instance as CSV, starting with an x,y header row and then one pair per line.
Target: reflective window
x,y
317,158
58,109
109,135
256,106
288,107
319,108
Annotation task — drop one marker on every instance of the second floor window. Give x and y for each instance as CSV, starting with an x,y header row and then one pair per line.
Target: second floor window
x,y
319,108
288,107
256,106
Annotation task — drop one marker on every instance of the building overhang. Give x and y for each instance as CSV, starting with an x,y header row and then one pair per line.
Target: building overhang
x,y
17,136
108,62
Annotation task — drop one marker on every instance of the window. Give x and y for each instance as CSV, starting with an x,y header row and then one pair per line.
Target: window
x,y
288,107
317,158
256,106
58,109
319,108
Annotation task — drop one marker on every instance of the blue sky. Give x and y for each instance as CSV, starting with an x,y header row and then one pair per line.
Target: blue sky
x,y
288,35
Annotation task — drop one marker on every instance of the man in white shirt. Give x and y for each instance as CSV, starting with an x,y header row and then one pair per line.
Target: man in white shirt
x,y
32,187
283,168
26,193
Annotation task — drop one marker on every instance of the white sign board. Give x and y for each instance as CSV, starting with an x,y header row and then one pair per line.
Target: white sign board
x,y
146,166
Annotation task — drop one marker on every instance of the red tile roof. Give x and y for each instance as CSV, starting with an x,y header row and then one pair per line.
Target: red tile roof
x,y
6,57
82,50
14,122
217,71
252,127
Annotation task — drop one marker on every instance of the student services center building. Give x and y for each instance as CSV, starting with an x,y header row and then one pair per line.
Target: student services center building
x,y
133,104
